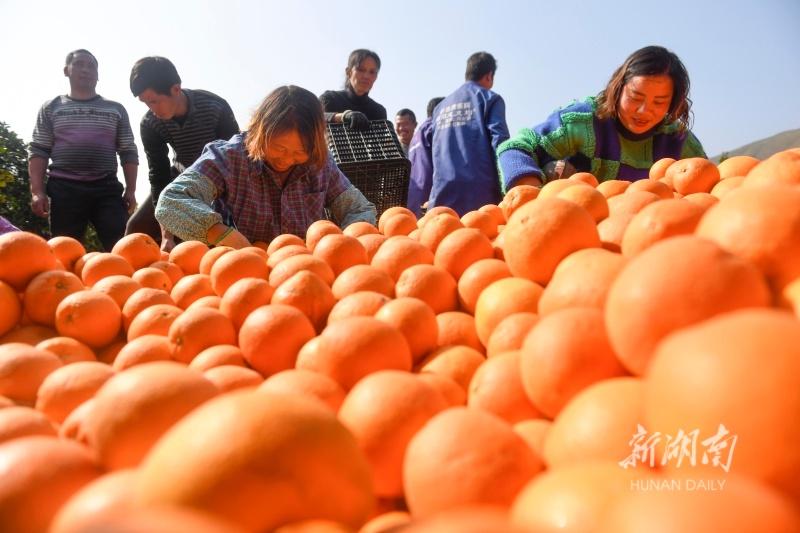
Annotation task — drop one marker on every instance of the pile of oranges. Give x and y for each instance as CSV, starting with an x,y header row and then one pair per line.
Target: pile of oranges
x,y
615,357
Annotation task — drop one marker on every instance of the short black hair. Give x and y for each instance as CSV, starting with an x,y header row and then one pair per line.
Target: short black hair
x,y
479,65
407,112
153,72
432,103
71,56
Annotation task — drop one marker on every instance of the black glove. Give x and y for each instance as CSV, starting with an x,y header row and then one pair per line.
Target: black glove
x,y
355,120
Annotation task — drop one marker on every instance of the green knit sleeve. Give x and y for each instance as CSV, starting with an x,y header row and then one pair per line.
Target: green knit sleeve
x,y
692,147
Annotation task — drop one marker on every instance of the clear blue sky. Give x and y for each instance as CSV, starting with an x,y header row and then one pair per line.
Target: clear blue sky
x,y
743,56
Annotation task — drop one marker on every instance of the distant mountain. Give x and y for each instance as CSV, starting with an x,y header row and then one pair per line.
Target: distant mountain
x,y
766,147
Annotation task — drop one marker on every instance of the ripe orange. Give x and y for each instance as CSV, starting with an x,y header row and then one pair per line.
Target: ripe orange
x,y
18,421
22,256
198,328
398,224
510,333
477,277
612,229
141,300
67,349
190,288
292,265
484,222
432,284
319,229
10,308
727,185
187,255
119,287
67,387
437,227
357,229
630,202
659,188
738,165
153,320
138,249
456,327
90,317
371,243
103,265
218,355
693,174
45,291
362,278
341,252
658,221
587,197
781,168
67,250
497,388
231,377
309,293
398,253
502,298
282,240
271,336
458,363
307,384
415,320
285,252
154,278
143,349
241,298
659,168
460,249
612,188
172,270
236,265
585,177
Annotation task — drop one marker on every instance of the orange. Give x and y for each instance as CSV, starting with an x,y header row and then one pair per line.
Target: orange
x,y
109,353
103,265
307,384
761,224
190,288
45,291
260,251
153,320
582,279
138,249
659,168
693,174
448,466
496,213
31,335
371,243
42,473
22,256
211,301
221,354
502,298
510,332
349,349
574,498
496,387
72,427
197,329
271,336
671,285
727,185
630,202
133,409
458,363
415,320
534,432
285,252
484,222
234,266
231,377
143,349
436,228
432,212
587,197
110,492
597,424
19,421
391,213
210,257
386,522
67,250
612,188
319,229
119,287
77,269
456,327
452,393
308,292
398,253
398,224
357,229
141,300
362,278
658,221
241,298
748,357
477,277
67,387
466,519
460,249
744,505
702,199
738,165
315,468
156,520
585,177
187,255
659,188
542,233
67,349
154,278
383,412
612,229
90,317
432,284
567,351
292,265
10,308
781,168
341,252
282,240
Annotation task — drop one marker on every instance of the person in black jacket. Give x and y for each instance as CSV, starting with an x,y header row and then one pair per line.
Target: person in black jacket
x,y
352,106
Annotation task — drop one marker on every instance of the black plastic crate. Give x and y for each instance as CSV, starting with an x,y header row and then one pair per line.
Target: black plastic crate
x,y
373,161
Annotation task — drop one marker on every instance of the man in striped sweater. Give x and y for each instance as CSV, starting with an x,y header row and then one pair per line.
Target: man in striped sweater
x,y
184,119
80,135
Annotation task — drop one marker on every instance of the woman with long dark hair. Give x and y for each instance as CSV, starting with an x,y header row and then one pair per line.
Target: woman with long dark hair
x,y
352,106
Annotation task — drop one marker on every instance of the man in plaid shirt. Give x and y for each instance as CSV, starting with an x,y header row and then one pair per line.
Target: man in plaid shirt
x,y
275,178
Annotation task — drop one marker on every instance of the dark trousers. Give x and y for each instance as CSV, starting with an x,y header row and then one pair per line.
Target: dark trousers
x,y
74,204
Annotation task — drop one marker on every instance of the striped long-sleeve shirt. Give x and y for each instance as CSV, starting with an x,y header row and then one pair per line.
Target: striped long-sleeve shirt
x,y
209,118
83,137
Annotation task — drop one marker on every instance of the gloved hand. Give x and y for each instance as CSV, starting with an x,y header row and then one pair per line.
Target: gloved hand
x,y
355,120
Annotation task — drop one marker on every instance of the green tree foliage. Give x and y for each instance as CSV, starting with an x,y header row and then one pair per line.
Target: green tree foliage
x,y
15,193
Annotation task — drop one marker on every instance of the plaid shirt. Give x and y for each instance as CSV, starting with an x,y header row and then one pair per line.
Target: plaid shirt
x,y
261,208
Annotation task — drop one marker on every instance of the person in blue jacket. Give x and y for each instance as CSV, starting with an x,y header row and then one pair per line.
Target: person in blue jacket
x,y
468,126
419,153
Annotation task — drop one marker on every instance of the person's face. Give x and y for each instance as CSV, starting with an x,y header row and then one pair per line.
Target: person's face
x,y
286,150
404,127
82,71
363,76
163,106
645,102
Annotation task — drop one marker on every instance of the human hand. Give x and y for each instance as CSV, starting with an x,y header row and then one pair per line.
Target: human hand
x,y
235,240
167,240
355,120
129,200
40,205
